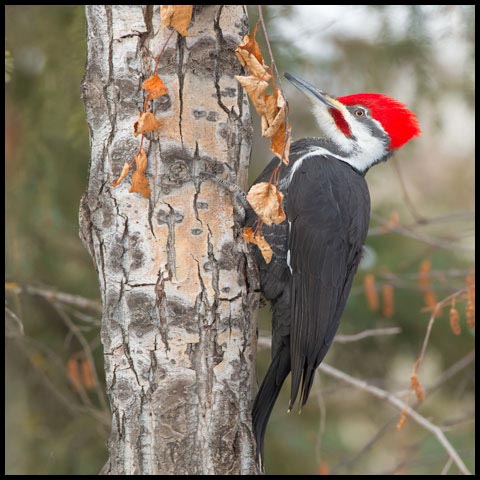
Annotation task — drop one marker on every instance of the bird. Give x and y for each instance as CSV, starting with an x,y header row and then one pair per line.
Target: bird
x,y
317,249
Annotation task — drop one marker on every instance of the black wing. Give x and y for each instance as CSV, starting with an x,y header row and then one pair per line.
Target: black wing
x,y
328,208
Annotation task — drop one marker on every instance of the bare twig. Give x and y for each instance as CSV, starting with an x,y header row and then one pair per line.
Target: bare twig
x,y
457,367
54,296
159,56
406,197
323,416
368,446
402,406
436,242
11,314
367,333
435,311
446,375
447,466
264,341
70,404
279,79
267,41
86,348
450,217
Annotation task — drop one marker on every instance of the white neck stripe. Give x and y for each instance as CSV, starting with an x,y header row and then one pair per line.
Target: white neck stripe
x,y
320,151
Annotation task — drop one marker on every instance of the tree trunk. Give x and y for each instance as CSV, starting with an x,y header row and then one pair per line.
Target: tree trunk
x,y
178,287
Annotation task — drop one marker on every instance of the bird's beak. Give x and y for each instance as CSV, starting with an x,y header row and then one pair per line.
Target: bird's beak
x,y
311,91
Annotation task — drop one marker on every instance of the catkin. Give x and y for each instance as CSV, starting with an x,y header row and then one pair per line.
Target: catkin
x,y
74,373
371,291
416,387
454,318
387,300
403,419
87,377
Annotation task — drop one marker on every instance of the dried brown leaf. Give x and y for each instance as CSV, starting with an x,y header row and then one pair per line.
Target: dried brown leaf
x,y
177,16
250,45
266,201
145,123
249,55
166,14
139,180
154,87
255,89
125,170
257,239
280,144
275,115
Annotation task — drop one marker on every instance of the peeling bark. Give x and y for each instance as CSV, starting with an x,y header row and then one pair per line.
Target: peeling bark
x,y
178,287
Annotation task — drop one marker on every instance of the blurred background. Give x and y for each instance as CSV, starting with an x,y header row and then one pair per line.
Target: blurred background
x,y
420,245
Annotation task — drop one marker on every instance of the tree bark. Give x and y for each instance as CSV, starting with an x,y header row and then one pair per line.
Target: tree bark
x,y
178,287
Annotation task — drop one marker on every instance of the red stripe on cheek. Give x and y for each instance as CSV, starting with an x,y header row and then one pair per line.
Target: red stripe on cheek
x,y
340,121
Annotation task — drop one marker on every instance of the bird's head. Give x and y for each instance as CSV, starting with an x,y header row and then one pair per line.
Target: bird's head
x,y
366,128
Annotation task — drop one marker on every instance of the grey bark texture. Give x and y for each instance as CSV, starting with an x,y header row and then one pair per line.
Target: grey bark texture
x,y
178,286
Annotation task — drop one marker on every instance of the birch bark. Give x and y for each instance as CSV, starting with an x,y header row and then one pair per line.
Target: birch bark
x,y
178,287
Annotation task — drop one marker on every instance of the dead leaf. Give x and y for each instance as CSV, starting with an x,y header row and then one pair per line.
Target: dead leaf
x,y
274,114
145,123
248,47
257,239
255,89
154,87
125,170
280,143
266,201
139,180
177,16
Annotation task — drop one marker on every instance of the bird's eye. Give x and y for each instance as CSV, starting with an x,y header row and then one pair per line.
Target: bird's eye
x,y
359,112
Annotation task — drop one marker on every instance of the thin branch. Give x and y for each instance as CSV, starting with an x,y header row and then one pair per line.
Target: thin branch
x,y
446,375
11,314
435,311
54,296
406,197
402,406
368,446
447,466
159,56
71,405
435,242
450,217
457,367
375,332
288,131
264,341
267,41
323,419
86,348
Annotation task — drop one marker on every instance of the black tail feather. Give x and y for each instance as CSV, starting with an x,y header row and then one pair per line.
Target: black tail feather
x,y
267,395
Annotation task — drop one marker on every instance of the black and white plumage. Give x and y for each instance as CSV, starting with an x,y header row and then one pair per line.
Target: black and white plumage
x,y
317,249
316,252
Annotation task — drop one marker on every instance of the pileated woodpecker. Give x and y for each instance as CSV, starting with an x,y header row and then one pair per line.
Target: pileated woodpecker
x,y
317,249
